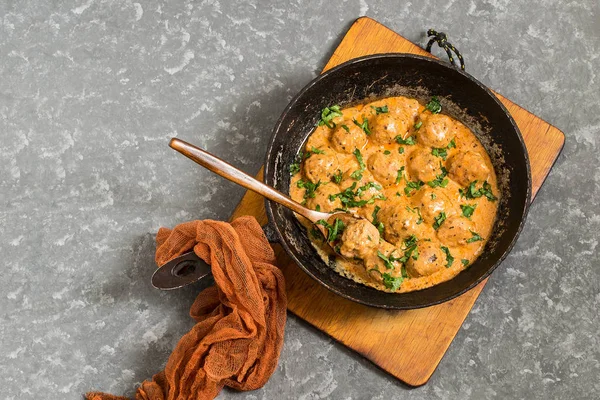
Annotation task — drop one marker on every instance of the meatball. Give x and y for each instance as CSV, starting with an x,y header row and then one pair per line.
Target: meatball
x,y
431,203
319,138
437,131
359,239
321,167
385,127
347,137
385,167
322,200
430,260
423,166
399,223
467,167
406,106
455,231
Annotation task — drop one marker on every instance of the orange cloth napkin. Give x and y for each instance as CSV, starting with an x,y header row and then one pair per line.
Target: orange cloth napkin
x,y
240,321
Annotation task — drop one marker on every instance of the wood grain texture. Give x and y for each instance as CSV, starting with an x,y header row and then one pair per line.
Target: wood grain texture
x,y
407,344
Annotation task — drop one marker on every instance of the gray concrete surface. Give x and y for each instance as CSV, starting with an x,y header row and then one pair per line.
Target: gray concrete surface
x,y
90,92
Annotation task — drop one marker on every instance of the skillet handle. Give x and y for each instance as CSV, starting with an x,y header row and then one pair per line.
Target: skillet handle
x,y
189,268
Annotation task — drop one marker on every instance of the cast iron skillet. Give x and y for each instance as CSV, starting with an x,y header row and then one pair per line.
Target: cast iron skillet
x,y
463,98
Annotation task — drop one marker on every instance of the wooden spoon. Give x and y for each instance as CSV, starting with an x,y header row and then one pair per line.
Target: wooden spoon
x,y
233,174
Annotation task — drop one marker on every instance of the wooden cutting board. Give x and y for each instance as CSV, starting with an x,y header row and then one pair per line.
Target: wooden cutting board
x,y
407,344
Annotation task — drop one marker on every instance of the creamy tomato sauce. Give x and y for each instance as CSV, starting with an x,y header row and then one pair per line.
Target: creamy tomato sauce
x,y
422,181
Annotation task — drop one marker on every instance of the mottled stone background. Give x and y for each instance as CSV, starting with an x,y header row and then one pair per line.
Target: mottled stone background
x,y
90,93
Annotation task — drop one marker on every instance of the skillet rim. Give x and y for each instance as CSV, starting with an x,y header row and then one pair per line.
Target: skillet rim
x,y
268,173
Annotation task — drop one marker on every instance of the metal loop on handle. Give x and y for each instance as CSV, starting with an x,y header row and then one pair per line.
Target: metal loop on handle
x,y
442,40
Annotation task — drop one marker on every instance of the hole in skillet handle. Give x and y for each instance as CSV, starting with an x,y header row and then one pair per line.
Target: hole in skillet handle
x,y
181,271
184,268
442,40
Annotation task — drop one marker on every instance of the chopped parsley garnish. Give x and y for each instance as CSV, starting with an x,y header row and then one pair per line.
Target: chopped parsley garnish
x,y
318,208
486,190
418,211
468,209
443,152
310,188
312,151
440,180
381,110
400,175
378,224
345,127
411,186
472,193
348,196
337,177
410,241
418,125
404,272
317,234
439,220
338,228
363,203
475,238
391,282
410,249
434,105
348,192
387,152
398,194
387,260
420,220
364,126
409,141
449,258
358,174
295,166
333,231
401,150
367,186
464,262
328,114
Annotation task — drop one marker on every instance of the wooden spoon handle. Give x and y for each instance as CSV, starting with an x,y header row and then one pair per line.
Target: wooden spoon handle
x,y
233,174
